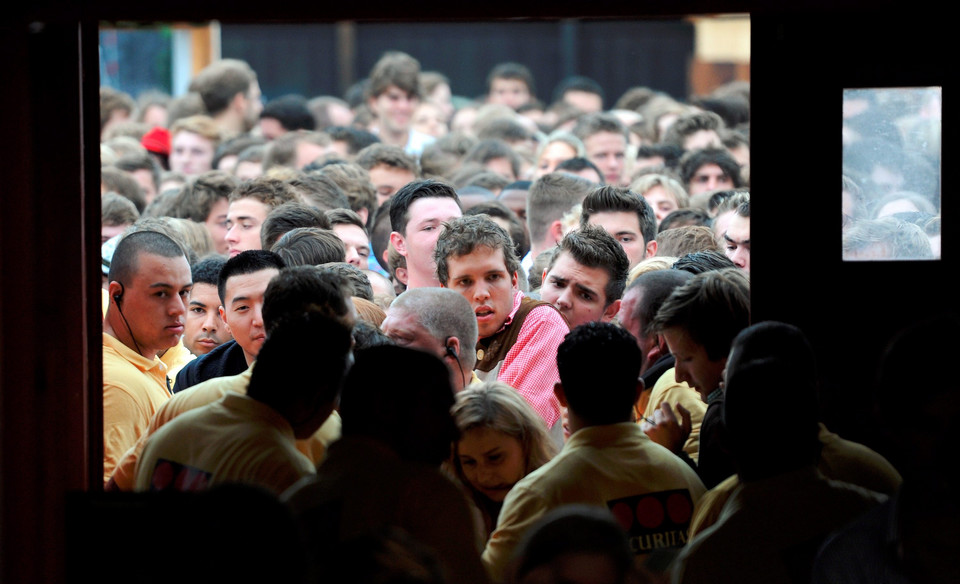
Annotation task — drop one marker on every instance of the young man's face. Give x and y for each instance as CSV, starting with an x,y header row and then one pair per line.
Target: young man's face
x,y
608,151
355,241
243,311
191,153
509,92
394,109
388,180
481,277
153,303
692,363
216,224
244,218
624,226
709,177
425,221
736,241
663,203
204,329
578,291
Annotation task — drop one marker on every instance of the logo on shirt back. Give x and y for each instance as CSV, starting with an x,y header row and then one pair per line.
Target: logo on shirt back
x,y
173,476
655,520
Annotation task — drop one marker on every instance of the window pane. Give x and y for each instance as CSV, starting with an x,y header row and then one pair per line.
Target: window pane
x,y
891,174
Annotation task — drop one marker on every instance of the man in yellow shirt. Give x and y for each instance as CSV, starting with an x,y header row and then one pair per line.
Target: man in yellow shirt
x,y
149,283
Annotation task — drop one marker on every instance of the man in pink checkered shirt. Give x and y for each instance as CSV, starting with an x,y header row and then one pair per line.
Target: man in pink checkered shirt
x,y
519,336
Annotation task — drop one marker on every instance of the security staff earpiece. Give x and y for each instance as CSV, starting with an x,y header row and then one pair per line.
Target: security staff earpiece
x,y
450,350
118,297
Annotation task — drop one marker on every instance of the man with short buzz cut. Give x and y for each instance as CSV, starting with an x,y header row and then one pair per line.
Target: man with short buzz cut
x,y
250,204
551,197
586,276
607,462
241,285
392,94
736,238
149,283
605,139
230,94
291,293
204,329
626,216
417,214
518,335
439,321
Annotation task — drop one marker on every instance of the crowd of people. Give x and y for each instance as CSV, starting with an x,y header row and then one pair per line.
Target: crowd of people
x,y
473,340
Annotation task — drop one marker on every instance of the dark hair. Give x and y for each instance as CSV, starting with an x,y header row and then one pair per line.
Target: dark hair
x,y
512,71
712,308
693,160
593,247
411,413
355,138
747,399
699,262
464,234
594,123
287,217
344,217
599,395
353,278
683,217
291,111
246,262
657,286
577,83
578,164
123,184
492,149
301,289
394,68
405,197
617,199
689,124
198,195
143,161
309,246
270,191
295,350
518,233
670,153
125,260
207,270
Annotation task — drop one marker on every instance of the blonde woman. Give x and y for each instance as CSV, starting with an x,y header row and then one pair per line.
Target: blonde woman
x,y
502,439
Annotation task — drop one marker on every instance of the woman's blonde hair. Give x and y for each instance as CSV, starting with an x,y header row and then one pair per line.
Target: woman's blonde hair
x,y
496,405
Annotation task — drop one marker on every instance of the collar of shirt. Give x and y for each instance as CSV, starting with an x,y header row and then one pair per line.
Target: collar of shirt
x,y
517,298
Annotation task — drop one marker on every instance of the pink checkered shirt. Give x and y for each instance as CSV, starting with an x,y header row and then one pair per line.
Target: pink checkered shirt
x,y
530,365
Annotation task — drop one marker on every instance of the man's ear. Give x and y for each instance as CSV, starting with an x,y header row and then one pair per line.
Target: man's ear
x,y
515,280
610,312
239,102
556,231
651,248
561,396
223,317
396,240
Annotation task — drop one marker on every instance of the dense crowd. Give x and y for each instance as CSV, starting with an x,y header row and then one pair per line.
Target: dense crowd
x,y
494,339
